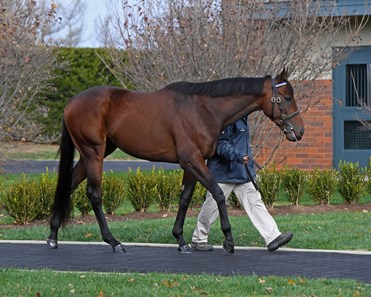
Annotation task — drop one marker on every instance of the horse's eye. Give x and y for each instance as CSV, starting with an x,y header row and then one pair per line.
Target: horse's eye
x,y
288,98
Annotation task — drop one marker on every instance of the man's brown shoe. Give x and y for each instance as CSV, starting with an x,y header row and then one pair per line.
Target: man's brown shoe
x,y
280,241
201,246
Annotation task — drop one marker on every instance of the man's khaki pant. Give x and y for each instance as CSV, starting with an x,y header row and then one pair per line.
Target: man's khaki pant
x,y
251,201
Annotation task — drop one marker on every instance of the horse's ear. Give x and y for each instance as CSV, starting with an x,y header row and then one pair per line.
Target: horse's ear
x,y
283,76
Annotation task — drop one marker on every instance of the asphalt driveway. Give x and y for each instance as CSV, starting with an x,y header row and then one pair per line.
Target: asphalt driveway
x,y
39,166
146,258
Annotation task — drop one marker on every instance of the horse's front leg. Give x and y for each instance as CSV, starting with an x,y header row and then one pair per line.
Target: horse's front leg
x,y
188,185
199,170
203,175
220,199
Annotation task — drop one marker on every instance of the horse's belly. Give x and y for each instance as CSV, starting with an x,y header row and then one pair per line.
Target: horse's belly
x,y
148,148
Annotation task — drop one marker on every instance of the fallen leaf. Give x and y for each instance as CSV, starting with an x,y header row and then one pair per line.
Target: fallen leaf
x,y
291,282
269,289
199,290
261,281
301,280
170,284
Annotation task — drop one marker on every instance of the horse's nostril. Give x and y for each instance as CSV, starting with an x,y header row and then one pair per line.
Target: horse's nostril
x,y
302,132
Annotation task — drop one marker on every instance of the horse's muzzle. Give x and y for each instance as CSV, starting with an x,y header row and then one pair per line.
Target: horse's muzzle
x,y
291,134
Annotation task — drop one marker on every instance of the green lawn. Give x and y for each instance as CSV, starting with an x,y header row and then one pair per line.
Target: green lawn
x,y
16,283
332,230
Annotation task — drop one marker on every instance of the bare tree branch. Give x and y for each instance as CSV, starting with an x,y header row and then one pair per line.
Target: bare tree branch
x,y
26,65
68,27
162,41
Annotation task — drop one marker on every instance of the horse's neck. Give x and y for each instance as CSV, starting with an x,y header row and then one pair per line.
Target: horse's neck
x,y
228,110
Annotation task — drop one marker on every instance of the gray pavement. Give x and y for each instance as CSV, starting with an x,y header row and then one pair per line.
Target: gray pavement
x,y
166,258
30,166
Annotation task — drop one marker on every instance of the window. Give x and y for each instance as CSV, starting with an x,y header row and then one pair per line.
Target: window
x,y
356,136
358,85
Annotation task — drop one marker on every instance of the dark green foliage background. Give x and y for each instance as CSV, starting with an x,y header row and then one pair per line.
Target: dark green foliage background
x,y
82,69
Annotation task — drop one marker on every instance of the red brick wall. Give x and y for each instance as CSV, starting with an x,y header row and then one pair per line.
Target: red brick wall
x,y
315,149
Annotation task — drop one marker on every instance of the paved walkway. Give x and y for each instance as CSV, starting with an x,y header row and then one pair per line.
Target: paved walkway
x,y
39,166
165,258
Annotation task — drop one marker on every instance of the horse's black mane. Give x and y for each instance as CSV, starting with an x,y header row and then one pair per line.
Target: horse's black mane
x,y
222,87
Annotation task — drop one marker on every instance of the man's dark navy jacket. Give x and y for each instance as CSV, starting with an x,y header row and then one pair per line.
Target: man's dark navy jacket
x,y
233,144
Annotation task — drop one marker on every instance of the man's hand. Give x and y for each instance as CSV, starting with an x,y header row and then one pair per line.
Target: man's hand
x,y
245,159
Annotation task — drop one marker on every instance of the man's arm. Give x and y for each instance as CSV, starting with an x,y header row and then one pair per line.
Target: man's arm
x,y
226,150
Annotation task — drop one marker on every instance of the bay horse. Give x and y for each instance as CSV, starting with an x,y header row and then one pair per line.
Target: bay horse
x,y
180,123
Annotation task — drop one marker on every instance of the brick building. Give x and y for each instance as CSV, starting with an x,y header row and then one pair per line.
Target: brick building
x,y
333,130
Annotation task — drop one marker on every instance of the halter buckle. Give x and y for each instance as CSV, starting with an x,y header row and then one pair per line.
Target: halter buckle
x,y
276,99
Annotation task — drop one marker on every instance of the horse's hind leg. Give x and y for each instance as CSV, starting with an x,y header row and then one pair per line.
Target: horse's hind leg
x,y
79,172
94,192
188,185
78,175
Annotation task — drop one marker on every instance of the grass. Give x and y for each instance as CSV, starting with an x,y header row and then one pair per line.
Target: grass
x,y
332,231
50,283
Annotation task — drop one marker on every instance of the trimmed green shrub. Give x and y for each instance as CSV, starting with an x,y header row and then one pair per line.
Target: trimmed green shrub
x,y
141,189
21,201
2,194
113,192
352,181
322,185
168,188
369,177
46,186
28,200
269,182
80,199
293,181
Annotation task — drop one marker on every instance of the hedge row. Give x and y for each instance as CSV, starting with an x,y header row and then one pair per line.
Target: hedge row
x,y
28,200
82,68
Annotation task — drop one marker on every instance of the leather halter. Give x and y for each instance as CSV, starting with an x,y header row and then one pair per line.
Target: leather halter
x,y
286,127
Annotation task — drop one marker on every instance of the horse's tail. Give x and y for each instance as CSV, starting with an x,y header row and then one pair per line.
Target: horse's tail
x,y
62,199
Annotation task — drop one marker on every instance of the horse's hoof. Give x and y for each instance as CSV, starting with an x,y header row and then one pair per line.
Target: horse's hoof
x,y
52,243
185,249
119,249
228,246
